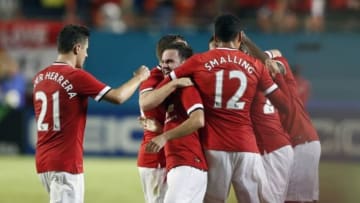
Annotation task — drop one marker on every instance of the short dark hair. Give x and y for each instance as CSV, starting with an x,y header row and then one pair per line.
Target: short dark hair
x,y
184,51
211,39
227,27
71,35
165,41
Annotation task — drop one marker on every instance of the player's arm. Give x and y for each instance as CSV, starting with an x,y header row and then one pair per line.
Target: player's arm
x,y
124,92
253,49
280,100
278,97
195,121
151,99
278,71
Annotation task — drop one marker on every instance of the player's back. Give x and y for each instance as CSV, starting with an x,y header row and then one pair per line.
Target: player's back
x,y
269,132
297,122
60,102
227,80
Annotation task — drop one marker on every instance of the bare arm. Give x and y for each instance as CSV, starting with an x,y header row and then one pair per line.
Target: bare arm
x,y
125,91
151,99
195,121
253,49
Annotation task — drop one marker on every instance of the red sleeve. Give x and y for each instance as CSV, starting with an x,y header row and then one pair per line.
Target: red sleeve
x,y
288,77
266,83
187,68
279,80
191,99
280,101
156,76
87,85
166,80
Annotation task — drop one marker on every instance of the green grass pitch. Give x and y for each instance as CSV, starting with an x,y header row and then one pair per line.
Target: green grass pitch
x,y
116,180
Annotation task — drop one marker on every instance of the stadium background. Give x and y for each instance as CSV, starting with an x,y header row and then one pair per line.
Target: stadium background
x,y
329,60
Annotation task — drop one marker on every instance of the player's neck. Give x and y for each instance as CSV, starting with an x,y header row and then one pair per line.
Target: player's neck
x,y
230,45
67,59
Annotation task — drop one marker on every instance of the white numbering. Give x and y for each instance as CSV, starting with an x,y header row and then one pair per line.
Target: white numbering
x,y
41,126
233,102
268,107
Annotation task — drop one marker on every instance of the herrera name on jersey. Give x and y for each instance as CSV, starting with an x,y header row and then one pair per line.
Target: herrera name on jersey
x,y
63,82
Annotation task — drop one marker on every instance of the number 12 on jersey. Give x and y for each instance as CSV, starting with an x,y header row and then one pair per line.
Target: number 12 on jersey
x,y
234,102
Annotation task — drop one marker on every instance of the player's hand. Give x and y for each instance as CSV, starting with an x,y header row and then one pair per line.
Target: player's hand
x,y
150,124
183,82
272,67
143,73
156,144
273,53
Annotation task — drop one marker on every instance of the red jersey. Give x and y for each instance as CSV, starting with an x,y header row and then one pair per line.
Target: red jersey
x,y
186,150
151,160
270,135
60,97
227,80
303,88
297,122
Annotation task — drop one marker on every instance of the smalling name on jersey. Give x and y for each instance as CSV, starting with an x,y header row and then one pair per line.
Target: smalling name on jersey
x,y
58,78
229,59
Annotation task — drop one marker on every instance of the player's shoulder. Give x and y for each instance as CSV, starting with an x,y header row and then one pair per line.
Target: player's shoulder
x,y
156,71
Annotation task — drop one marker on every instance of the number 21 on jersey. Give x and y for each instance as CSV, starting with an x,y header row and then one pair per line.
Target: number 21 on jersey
x,y
41,124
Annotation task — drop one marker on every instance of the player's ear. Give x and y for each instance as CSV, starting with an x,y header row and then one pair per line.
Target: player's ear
x,y
76,49
239,37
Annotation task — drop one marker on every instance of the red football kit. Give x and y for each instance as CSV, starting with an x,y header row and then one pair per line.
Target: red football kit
x,y
228,80
187,150
270,135
296,122
60,99
151,160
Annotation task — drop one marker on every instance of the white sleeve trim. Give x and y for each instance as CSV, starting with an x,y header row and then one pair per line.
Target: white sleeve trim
x,y
269,54
172,75
271,89
194,107
146,89
102,93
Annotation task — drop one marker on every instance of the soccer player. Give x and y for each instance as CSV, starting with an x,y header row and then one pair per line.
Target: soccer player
x,y
304,178
272,140
60,97
185,160
227,80
151,166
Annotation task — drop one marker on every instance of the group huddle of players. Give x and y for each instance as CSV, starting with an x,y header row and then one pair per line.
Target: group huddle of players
x,y
228,116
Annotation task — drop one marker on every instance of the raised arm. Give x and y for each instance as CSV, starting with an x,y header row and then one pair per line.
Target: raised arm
x,y
253,49
126,90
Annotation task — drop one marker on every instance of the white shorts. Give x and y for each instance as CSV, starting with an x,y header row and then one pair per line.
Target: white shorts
x,y
304,179
277,165
63,187
186,184
244,170
153,182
